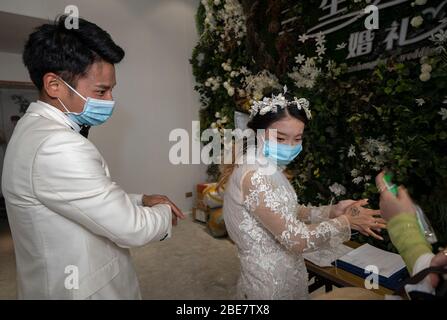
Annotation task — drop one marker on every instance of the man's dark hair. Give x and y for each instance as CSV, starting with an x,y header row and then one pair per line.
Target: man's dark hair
x,y
68,53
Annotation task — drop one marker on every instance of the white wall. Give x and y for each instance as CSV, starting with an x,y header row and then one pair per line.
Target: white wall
x,y
12,68
154,92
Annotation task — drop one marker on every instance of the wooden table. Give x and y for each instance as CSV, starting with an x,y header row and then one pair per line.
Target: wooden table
x,y
329,276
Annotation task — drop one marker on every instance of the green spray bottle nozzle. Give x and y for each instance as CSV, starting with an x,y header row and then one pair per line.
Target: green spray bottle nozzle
x,y
389,184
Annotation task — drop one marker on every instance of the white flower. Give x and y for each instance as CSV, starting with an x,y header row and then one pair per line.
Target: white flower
x,y
341,46
417,21
367,178
374,152
303,38
439,37
420,2
244,71
357,180
443,113
424,77
230,89
214,125
337,189
214,83
351,152
367,157
209,82
321,50
217,115
299,59
226,66
306,75
320,38
232,17
420,102
426,68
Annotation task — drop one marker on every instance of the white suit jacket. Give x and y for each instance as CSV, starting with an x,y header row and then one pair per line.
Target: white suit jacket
x,y
71,224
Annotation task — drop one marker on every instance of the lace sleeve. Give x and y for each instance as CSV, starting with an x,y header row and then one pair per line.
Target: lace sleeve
x,y
271,205
310,214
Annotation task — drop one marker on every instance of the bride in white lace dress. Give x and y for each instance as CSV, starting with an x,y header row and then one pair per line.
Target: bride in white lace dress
x,y
264,218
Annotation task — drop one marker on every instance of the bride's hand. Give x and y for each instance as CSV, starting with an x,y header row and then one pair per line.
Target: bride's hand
x,y
341,207
364,220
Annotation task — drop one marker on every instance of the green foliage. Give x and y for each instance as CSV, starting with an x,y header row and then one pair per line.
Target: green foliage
x,y
416,134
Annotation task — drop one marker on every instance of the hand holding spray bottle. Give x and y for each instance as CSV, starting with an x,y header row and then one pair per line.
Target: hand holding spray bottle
x,y
424,223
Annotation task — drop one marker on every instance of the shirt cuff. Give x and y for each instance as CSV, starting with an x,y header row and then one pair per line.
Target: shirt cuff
x,y
137,199
168,209
423,262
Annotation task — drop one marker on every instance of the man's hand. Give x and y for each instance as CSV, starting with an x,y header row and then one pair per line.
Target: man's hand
x,y
391,206
152,200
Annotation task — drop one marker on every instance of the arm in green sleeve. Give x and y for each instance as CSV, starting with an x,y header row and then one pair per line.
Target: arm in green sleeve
x,y
407,238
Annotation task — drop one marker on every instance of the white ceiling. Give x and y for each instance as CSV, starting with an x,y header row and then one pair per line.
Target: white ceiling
x,y
14,31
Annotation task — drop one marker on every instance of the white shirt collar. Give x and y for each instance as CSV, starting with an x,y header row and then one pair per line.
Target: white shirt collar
x,y
55,114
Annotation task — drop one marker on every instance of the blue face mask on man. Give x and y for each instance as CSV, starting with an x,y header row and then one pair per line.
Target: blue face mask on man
x,y
95,112
283,154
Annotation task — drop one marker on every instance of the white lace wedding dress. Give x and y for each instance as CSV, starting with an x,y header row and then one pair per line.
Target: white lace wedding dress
x,y
272,231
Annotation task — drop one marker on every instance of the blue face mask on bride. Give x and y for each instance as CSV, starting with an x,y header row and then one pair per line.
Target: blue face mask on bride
x,y
95,112
283,154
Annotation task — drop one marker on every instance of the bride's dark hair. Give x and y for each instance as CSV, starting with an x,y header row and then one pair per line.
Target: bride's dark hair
x,y
259,122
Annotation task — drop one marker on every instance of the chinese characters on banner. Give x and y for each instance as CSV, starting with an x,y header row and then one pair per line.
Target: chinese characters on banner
x,y
362,48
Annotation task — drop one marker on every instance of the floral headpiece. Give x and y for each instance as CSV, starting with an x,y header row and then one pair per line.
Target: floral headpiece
x,y
271,105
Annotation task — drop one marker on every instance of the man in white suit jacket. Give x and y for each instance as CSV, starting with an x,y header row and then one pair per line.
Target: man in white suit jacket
x,y
71,224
